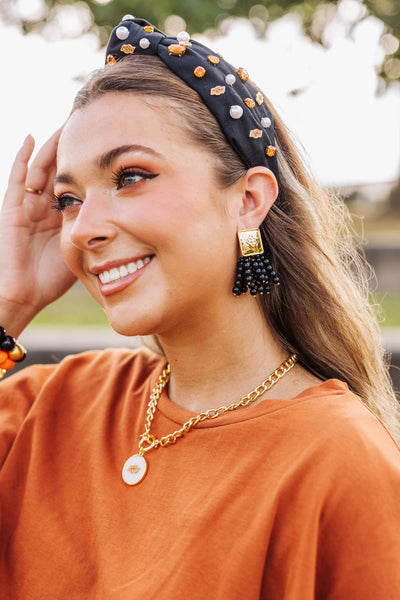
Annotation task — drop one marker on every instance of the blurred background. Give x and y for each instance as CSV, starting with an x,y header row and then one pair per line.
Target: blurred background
x,y
331,68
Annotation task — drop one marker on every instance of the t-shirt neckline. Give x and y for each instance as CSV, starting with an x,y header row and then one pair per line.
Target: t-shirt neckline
x,y
180,415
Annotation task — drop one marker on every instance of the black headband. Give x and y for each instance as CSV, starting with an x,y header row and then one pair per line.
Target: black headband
x,y
237,105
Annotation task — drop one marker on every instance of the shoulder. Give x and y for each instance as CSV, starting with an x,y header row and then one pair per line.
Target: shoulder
x,y
64,390
331,413
337,439
85,369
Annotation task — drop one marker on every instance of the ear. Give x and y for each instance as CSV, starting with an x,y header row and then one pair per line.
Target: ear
x,y
259,192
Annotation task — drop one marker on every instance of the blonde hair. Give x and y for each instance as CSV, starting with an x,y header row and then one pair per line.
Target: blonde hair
x,y
321,309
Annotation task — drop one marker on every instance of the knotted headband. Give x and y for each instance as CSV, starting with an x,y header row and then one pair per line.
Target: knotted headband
x,y
238,106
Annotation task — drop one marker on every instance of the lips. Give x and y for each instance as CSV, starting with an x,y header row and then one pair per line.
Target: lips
x,y
117,273
117,276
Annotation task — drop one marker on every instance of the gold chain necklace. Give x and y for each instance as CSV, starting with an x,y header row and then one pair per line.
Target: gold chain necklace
x,y
135,468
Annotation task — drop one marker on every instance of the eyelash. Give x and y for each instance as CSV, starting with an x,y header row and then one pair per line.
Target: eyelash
x,y
59,201
118,175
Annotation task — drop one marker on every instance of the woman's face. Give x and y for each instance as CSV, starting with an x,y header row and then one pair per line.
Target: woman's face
x,y
145,226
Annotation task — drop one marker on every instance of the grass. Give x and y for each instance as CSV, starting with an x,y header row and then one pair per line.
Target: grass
x,y
390,303
77,308
74,309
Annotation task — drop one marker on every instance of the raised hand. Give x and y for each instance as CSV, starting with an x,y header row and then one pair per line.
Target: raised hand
x,y
32,270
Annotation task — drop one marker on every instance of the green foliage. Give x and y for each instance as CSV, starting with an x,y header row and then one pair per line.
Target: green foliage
x,y
77,308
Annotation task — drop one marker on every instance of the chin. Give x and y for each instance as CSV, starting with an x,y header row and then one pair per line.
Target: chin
x,y
132,327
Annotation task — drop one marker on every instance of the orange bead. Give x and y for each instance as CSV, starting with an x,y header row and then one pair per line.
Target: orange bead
x,y
243,74
111,60
8,364
249,102
176,49
270,151
128,49
199,72
214,60
3,357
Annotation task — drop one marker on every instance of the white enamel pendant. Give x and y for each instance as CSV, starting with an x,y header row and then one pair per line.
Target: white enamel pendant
x,y
134,469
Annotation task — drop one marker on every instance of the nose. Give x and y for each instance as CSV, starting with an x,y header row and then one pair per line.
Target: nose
x,y
93,226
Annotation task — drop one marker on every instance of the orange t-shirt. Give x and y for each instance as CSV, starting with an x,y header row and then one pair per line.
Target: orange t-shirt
x,y
285,500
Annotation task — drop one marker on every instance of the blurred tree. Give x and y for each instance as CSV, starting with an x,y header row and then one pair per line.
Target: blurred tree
x,y
207,15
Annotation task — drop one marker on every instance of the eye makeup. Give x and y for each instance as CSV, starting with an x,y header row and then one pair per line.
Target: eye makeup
x,y
126,176
122,177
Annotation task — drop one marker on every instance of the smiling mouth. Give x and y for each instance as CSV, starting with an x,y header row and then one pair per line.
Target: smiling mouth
x,y
118,273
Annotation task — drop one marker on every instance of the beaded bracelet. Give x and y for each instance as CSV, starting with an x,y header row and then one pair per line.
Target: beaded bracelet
x,y
10,352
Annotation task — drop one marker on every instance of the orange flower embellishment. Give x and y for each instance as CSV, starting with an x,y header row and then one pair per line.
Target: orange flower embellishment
x,y
199,72
259,98
249,102
270,151
243,74
214,60
128,49
255,134
148,28
218,90
111,60
176,49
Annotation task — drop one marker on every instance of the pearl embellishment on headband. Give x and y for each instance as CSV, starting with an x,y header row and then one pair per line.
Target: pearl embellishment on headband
x,y
122,33
239,107
266,122
236,111
183,37
230,79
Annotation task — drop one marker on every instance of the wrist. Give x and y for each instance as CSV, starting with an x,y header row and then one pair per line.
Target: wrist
x,y
15,317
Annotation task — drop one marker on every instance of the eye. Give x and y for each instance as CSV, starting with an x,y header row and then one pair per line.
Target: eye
x,y
126,177
62,201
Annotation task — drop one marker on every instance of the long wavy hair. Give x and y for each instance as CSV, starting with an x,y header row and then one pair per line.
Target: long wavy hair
x,y
321,309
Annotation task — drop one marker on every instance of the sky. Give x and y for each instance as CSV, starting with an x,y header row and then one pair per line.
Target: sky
x,y
351,134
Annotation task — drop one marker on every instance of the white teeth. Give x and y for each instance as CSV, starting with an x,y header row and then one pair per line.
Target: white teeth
x,y
114,274
132,268
121,272
105,277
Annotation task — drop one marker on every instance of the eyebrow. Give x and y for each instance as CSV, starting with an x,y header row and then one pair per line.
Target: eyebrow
x,y
104,161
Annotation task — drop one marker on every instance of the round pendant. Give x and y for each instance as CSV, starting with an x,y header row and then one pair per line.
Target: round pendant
x,y
134,469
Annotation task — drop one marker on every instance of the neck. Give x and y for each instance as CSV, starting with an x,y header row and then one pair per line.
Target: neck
x,y
223,359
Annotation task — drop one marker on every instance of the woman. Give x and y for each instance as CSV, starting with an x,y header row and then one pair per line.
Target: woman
x,y
291,492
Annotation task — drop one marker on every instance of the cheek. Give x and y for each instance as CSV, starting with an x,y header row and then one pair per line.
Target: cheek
x,y
68,250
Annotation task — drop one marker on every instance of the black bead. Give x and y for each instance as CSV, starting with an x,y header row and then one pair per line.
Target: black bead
x,y
8,343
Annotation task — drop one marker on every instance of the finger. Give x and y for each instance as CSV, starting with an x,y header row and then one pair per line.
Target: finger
x,y
38,207
15,192
38,173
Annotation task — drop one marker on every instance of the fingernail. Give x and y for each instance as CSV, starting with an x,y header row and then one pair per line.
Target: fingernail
x,y
26,139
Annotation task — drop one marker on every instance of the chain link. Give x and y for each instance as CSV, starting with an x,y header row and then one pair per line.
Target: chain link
x,y
147,441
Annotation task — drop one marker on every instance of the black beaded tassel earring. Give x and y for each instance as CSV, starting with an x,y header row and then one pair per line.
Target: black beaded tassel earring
x,y
253,270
